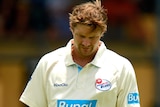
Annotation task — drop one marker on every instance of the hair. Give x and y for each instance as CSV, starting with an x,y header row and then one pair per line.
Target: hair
x,y
90,13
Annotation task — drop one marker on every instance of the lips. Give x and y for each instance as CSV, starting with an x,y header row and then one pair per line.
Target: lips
x,y
83,47
86,49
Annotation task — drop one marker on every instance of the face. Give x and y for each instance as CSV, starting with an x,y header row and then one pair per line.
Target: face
x,y
86,39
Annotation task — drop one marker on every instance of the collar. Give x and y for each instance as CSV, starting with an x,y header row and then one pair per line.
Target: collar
x,y
97,61
68,60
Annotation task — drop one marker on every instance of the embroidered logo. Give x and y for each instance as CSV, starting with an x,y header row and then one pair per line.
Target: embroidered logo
x,y
60,85
103,84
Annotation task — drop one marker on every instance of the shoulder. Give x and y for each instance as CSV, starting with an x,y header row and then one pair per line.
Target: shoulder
x,y
53,56
113,56
117,60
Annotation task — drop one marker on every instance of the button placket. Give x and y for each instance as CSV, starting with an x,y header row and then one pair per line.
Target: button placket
x,y
82,77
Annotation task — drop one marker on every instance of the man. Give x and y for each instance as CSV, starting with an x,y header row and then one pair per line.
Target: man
x,y
84,73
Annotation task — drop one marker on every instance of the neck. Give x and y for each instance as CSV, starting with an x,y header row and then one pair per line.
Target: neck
x,y
82,60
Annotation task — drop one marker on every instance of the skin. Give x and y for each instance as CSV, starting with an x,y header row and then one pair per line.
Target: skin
x,y
86,43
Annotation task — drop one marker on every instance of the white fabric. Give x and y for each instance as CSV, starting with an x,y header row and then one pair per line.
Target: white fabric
x,y
56,78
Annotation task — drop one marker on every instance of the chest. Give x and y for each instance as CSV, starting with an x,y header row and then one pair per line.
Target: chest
x,y
91,83
64,79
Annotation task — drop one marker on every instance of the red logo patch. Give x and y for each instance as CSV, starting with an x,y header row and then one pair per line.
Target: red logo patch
x,y
99,81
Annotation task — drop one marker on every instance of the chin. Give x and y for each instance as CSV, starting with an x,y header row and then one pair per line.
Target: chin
x,y
86,55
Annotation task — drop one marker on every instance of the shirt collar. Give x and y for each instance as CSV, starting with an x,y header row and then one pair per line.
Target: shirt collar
x,y
97,61
68,60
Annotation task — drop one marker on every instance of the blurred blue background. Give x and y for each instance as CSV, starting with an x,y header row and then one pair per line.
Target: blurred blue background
x,y
31,28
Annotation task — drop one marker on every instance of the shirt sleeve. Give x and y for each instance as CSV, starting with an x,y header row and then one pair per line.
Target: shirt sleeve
x,y
128,94
34,94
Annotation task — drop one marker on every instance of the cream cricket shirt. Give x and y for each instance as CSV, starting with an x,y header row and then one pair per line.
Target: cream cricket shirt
x,y
108,81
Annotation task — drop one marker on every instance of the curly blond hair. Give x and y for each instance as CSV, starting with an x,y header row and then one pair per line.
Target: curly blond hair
x,y
90,13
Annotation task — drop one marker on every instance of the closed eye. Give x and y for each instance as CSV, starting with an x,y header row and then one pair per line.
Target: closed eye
x,y
91,37
82,36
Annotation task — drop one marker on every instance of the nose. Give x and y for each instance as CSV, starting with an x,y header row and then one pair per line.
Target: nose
x,y
86,42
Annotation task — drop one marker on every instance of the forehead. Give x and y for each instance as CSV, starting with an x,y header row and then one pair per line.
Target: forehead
x,y
84,29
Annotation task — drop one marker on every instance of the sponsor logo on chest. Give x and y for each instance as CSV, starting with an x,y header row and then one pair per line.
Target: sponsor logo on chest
x,y
103,84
